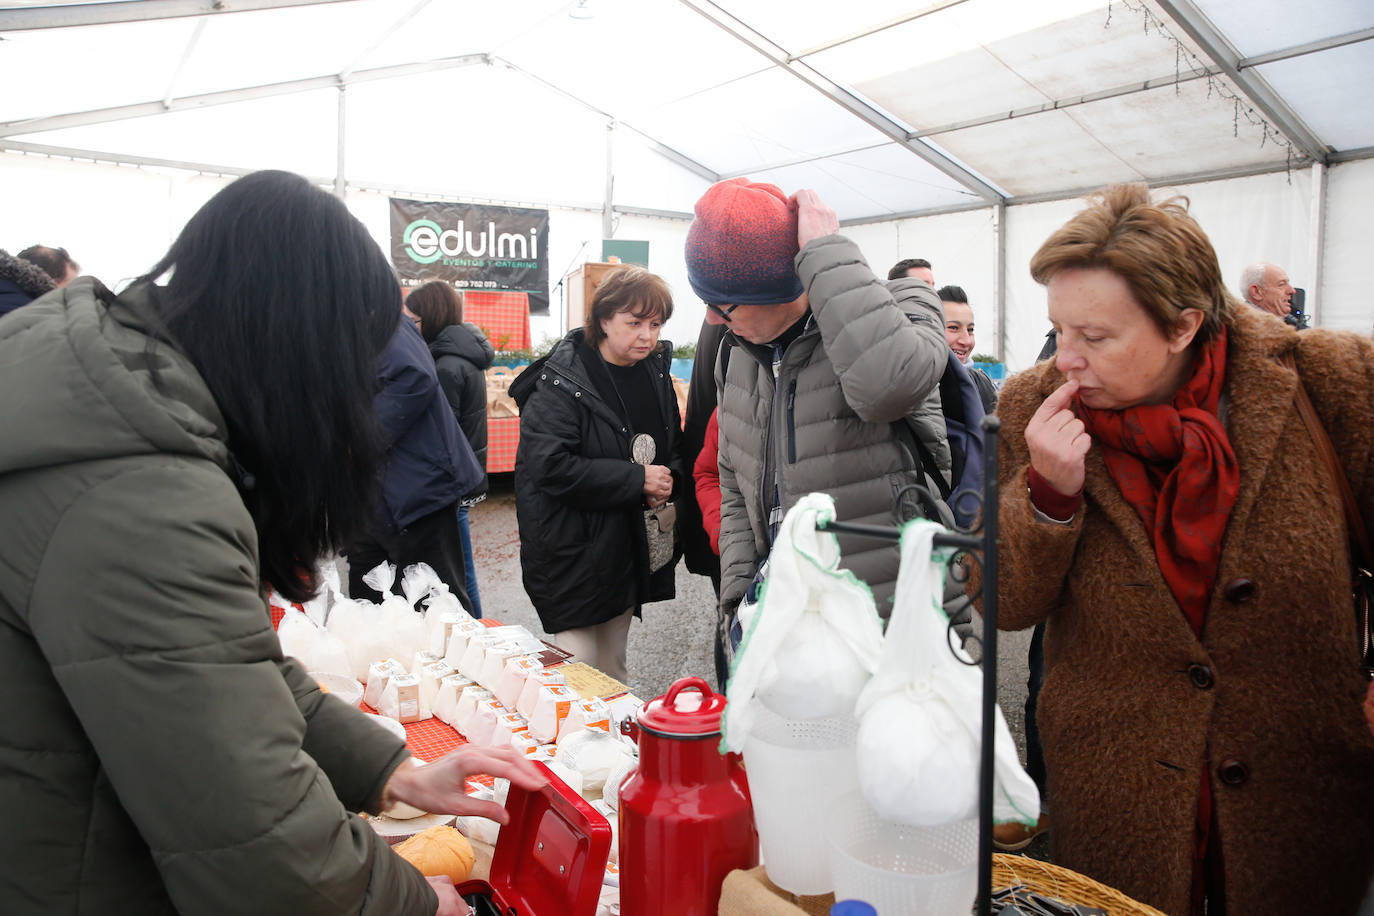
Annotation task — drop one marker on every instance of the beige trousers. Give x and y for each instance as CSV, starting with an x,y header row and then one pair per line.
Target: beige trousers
x,y
601,646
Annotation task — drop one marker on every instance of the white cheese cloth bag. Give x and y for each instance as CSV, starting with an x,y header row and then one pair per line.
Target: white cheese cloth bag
x,y
920,717
815,639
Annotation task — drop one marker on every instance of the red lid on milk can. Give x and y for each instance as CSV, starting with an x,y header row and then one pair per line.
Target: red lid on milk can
x,y
690,709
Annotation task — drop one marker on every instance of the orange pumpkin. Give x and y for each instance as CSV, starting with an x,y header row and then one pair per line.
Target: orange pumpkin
x,y
439,851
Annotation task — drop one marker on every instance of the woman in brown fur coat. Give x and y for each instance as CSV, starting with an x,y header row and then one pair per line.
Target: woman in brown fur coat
x,y
1164,509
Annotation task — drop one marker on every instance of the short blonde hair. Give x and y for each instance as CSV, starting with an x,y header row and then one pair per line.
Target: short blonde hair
x,y
1160,251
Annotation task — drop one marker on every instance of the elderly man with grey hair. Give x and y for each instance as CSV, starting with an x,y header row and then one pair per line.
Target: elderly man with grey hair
x,y
1266,287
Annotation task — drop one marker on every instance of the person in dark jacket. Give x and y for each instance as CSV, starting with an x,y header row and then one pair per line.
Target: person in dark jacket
x,y
163,756
462,355
599,445
21,282
429,466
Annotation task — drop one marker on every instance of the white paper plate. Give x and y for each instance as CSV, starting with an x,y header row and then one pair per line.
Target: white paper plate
x,y
390,724
343,687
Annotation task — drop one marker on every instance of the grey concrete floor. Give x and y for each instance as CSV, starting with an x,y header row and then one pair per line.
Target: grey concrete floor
x,y
673,639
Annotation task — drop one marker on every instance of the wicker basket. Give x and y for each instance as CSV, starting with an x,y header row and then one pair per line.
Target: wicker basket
x,y
1069,886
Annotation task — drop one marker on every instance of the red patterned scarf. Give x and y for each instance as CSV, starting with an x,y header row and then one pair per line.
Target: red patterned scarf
x,y
1174,464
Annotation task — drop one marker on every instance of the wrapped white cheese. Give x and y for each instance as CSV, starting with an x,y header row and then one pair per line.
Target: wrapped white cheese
x,y
422,658
529,692
430,676
593,753
585,714
610,792
550,710
525,743
508,725
401,699
476,653
483,722
494,664
458,636
378,673
512,679
468,699
446,702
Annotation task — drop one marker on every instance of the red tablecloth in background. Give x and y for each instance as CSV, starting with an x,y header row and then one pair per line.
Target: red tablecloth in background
x,y
503,438
504,316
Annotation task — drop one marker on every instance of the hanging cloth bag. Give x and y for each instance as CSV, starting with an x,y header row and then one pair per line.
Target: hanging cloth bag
x,y
815,638
920,717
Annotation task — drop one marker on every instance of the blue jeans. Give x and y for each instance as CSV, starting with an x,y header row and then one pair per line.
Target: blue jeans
x,y
468,565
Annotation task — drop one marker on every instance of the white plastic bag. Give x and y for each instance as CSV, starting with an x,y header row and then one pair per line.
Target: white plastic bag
x,y
331,655
815,638
298,637
594,754
920,717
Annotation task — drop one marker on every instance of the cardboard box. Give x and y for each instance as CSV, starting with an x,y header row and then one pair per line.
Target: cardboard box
x,y
750,893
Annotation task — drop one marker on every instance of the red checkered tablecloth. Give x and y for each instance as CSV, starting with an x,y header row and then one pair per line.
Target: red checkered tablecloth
x,y
503,316
503,437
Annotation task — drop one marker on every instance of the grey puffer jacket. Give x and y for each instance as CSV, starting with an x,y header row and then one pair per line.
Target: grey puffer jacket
x,y
160,755
870,355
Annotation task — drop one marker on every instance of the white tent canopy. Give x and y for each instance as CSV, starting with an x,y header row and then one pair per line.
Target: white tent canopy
x,y
957,130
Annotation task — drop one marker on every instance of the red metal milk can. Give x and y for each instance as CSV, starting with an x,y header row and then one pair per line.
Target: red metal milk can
x,y
685,816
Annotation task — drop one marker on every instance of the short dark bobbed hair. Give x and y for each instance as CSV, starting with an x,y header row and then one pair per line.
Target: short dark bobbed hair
x,y
437,304
628,289
1158,249
283,301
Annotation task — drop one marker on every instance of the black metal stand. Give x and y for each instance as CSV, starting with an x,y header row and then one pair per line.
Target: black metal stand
x,y
986,545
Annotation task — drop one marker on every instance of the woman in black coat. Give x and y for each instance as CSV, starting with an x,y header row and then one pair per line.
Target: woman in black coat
x,y
599,445
462,355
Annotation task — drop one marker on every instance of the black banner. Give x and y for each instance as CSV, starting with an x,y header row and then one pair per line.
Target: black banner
x,y
473,247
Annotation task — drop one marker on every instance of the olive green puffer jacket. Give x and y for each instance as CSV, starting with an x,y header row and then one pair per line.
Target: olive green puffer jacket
x,y
158,754
871,354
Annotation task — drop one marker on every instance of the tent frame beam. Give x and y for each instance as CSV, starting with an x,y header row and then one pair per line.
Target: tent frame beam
x,y
63,15
230,96
1311,47
843,97
1191,19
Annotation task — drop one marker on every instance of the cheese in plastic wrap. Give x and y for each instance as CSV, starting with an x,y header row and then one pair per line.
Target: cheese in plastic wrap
x,y
550,710
458,637
920,717
378,673
512,679
298,636
430,676
402,701
593,754
815,638
476,653
468,700
529,691
483,722
507,726
585,714
446,702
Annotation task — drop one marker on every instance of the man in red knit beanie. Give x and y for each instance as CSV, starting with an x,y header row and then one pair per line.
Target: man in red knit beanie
x,y
835,375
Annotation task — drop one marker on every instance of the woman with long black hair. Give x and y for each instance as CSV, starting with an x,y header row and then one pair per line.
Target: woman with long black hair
x,y
185,443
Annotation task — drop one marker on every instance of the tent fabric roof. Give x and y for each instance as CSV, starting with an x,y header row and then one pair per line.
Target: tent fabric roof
x,y
887,108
